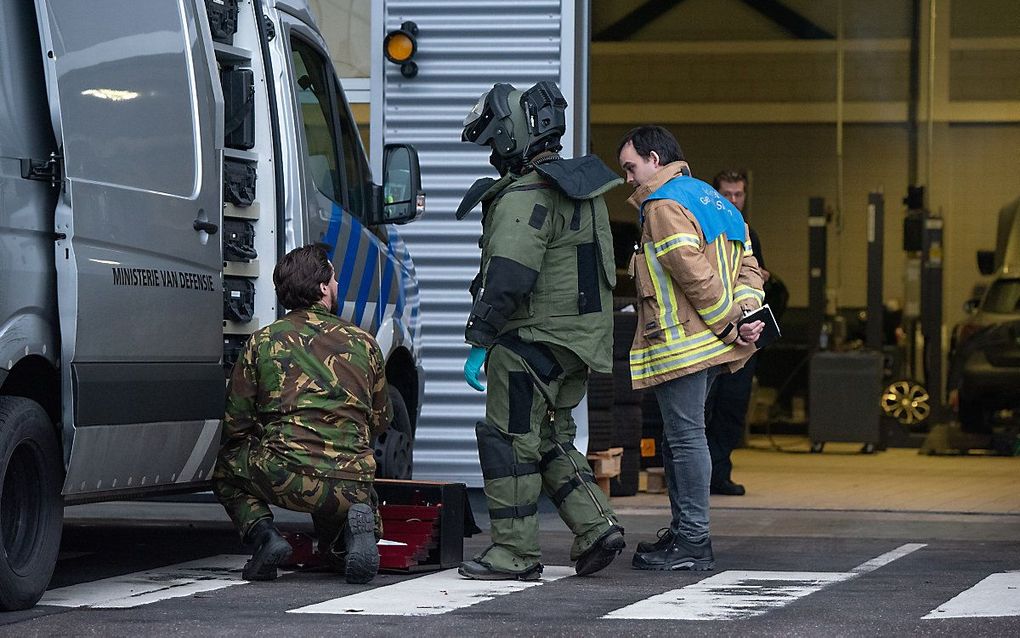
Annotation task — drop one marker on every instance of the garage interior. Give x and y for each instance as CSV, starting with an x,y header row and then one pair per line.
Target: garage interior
x,y
835,101
838,100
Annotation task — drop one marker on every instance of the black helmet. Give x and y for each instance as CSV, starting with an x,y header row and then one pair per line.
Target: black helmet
x,y
517,125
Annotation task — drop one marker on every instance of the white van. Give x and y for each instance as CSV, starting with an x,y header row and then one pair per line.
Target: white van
x,y
155,159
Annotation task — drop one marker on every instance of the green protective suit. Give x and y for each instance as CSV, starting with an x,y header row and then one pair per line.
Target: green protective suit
x,y
543,309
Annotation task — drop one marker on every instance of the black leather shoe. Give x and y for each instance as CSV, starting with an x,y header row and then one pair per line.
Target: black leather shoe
x,y
477,571
271,549
727,488
665,540
361,563
601,553
681,554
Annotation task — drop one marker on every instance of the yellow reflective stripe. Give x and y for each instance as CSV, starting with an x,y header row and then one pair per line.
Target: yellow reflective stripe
x,y
664,294
744,291
675,241
735,259
689,341
671,350
721,308
679,361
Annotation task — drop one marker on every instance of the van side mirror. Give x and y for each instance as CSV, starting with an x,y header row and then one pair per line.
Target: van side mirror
x,y
403,200
986,261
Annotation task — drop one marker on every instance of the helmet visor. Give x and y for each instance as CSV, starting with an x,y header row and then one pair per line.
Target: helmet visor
x,y
476,111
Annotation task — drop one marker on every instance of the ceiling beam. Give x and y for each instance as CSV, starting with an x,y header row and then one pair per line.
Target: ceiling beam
x,y
631,23
789,20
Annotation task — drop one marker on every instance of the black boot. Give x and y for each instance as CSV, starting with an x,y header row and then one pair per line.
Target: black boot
x,y
727,487
681,554
361,563
665,540
271,549
601,553
480,571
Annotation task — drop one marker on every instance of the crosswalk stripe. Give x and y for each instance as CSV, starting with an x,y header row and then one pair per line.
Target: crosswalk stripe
x,y
886,558
996,595
149,586
733,595
429,595
730,595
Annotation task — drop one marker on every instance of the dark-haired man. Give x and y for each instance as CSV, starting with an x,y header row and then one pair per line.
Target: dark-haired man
x,y
695,276
726,411
305,398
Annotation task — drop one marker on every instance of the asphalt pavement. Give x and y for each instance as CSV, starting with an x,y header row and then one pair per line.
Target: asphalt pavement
x,y
162,568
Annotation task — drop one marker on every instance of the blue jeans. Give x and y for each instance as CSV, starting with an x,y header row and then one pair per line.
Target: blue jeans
x,y
726,417
685,458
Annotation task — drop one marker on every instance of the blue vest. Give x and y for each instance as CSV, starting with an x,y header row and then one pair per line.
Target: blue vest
x,y
715,214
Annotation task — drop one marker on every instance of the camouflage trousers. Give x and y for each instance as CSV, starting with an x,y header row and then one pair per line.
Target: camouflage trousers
x,y
247,480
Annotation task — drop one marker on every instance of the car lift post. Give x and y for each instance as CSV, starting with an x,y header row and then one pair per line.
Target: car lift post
x,y
931,308
876,236
817,237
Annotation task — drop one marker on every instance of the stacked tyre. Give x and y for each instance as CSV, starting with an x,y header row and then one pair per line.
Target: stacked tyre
x,y
627,407
601,396
651,431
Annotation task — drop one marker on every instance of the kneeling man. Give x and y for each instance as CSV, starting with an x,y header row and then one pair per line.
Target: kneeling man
x,y
305,398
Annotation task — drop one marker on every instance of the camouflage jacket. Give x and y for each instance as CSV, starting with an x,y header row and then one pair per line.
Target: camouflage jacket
x,y
312,389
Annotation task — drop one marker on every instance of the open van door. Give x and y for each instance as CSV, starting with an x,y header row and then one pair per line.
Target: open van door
x,y
137,112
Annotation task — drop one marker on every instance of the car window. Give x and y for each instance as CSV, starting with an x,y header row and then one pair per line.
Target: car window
x,y
1003,296
313,81
353,158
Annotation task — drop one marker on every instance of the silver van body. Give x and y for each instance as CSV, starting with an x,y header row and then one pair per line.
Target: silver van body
x,y
114,280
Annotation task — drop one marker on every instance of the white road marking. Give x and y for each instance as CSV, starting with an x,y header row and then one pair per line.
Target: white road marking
x,y
728,595
142,588
731,595
734,595
428,595
997,595
886,558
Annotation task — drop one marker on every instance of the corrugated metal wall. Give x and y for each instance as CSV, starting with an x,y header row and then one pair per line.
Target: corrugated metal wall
x,y
464,47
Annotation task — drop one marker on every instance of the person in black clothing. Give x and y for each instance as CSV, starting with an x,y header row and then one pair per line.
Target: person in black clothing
x,y
726,407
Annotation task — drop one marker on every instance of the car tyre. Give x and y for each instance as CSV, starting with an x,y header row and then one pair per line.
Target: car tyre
x,y
974,417
394,448
31,507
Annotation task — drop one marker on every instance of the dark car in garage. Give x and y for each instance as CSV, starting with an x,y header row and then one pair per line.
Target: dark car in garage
x,y
984,369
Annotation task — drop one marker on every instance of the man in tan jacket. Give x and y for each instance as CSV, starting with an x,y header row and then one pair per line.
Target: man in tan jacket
x,y
696,277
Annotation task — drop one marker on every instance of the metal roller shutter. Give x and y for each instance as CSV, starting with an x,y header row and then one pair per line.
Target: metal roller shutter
x,y
463,49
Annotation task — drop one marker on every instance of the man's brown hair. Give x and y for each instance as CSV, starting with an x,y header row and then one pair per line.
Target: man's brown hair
x,y
648,138
298,275
729,175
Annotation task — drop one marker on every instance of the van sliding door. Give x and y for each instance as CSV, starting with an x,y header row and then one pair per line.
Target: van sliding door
x,y
136,110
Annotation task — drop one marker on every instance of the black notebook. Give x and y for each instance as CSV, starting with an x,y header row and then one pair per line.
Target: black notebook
x,y
771,331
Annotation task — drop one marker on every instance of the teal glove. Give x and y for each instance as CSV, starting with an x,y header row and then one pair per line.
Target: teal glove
x,y
473,366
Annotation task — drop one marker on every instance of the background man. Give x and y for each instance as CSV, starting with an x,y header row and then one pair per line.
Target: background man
x,y
726,410
542,316
695,278
304,400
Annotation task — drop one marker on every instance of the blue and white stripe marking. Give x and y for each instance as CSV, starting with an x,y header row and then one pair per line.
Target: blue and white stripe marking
x,y
375,280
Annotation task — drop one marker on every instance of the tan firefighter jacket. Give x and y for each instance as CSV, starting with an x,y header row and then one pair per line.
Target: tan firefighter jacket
x,y
691,293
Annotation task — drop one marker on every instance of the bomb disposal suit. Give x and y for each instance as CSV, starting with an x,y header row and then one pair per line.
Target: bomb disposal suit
x,y
542,317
